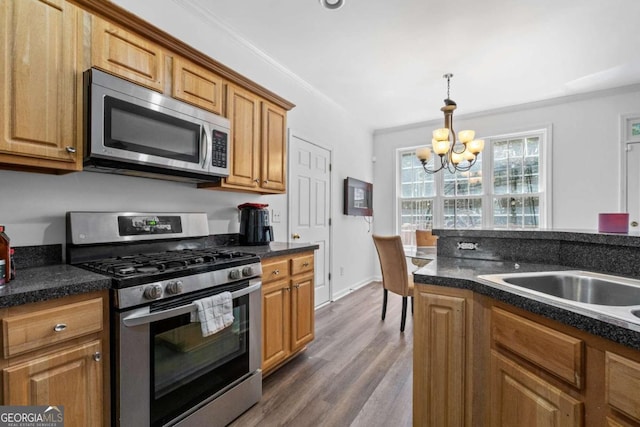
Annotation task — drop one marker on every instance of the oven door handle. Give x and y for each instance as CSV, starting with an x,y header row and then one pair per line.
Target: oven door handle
x,y
143,317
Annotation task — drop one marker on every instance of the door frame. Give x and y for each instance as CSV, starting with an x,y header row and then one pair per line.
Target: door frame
x,y
290,134
625,139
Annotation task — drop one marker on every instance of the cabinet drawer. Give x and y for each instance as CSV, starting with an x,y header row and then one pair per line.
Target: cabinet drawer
x,y
553,351
301,264
29,331
622,382
275,270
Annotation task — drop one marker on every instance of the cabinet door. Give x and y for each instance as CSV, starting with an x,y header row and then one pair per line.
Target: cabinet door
x,y
71,378
276,320
520,398
126,55
196,85
302,311
274,148
244,114
38,86
439,360
622,385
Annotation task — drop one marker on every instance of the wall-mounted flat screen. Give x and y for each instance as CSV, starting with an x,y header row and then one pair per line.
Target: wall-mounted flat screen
x,y
358,197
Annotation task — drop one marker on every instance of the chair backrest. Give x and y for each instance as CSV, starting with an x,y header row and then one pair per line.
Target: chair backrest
x,y
425,238
393,264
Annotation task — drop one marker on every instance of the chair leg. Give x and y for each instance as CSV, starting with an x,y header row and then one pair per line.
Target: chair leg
x,y
404,313
412,306
384,303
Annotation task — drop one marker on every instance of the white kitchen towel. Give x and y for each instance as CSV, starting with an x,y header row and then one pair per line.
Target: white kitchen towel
x,y
214,313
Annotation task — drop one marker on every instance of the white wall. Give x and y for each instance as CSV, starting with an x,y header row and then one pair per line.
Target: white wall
x,y
32,206
586,153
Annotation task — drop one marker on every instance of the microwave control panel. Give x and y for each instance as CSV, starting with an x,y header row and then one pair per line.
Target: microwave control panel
x,y
219,151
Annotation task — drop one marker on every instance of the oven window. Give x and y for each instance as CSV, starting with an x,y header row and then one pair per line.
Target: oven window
x,y
188,368
131,127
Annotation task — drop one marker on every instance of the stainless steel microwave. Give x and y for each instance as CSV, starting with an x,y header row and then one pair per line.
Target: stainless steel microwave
x,y
133,130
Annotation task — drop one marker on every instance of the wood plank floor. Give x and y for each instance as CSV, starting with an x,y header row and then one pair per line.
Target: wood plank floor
x,y
357,372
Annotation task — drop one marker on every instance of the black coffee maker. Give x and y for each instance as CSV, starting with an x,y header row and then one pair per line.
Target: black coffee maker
x,y
254,224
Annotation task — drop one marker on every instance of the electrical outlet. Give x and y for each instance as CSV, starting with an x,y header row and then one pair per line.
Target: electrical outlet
x,y
275,216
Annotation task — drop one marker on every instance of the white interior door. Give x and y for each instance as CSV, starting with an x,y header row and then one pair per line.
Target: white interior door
x,y
310,206
633,184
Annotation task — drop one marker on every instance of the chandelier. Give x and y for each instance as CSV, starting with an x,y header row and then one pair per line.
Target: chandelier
x,y
455,154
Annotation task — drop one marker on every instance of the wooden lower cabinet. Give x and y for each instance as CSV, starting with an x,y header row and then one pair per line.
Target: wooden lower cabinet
x,y
287,308
68,367
481,362
439,359
71,378
520,398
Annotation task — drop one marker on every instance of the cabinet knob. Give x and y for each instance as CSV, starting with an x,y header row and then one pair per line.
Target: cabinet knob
x,y
70,149
275,272
295,236
97,356
266,181
634,223
287,289
305,264
60,327
297,286
257,180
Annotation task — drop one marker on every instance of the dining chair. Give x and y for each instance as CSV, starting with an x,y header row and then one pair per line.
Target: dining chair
x,y
425,238
395,277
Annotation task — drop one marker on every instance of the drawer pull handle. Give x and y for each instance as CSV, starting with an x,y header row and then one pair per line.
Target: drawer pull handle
x,y
276,272
305,264
97,356
60,327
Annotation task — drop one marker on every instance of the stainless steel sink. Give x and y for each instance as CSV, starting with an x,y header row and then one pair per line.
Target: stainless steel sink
x,y
581,288
610,298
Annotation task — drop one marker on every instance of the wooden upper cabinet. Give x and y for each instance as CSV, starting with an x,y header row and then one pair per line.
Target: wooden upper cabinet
x,y
258,144
197,85
127,55
39,86
243,108
274,148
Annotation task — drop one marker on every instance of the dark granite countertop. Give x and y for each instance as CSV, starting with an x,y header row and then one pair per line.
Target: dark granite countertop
x,y
45,282
462,273
50,282
274,249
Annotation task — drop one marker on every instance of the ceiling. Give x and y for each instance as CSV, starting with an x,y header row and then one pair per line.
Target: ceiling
x,y
383,60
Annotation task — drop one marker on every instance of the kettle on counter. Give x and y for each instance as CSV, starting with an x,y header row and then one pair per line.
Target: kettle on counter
x,y
254,224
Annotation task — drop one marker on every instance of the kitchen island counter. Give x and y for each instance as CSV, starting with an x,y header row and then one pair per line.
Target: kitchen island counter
x,y
462,273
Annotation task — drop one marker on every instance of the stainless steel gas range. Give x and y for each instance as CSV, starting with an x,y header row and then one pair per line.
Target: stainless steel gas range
x,y
164,372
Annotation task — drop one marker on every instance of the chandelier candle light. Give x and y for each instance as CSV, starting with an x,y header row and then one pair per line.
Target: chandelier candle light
x,y
455,155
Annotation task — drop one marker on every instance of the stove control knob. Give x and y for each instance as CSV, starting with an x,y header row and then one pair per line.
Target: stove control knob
x,y
247,271
153,292
174,288
235,274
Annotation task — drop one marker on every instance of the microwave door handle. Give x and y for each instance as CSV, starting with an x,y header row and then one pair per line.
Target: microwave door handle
x,y
143,317
204,146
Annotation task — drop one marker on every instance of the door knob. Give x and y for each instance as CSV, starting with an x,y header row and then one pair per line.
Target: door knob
x,y
295,235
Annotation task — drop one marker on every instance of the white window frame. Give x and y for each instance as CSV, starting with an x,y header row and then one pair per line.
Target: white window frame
x,y
545,180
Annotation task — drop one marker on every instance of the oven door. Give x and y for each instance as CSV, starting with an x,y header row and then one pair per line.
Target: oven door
x,y
166,370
